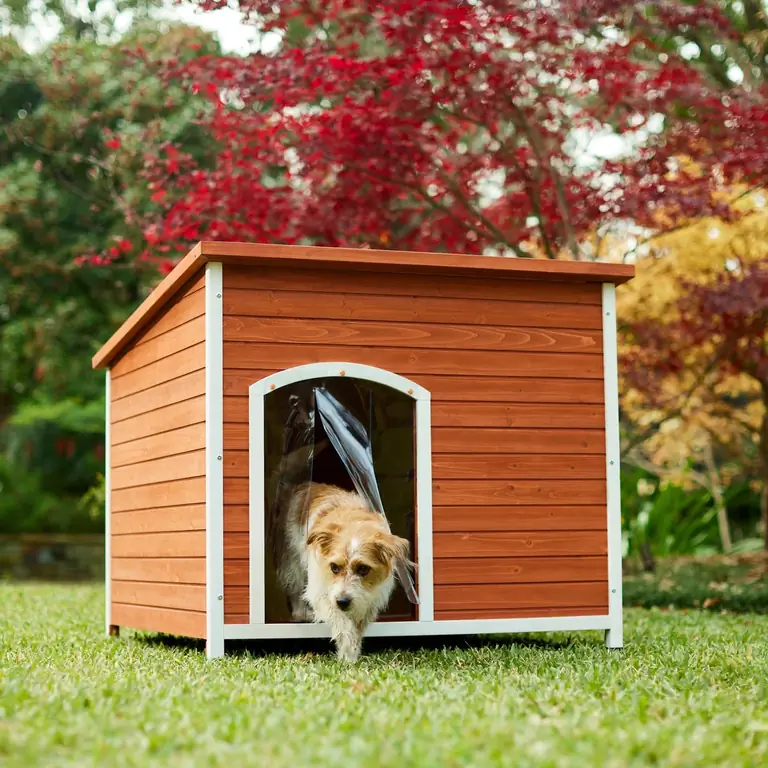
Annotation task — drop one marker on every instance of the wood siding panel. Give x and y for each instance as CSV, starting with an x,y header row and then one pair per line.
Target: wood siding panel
x,y
515,371
173,622
158,472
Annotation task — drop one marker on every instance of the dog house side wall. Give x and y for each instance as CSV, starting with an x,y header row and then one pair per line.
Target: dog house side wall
x,y
157,460
515,368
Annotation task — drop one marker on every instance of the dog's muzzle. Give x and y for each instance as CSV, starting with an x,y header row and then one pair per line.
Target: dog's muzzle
x,y
343,602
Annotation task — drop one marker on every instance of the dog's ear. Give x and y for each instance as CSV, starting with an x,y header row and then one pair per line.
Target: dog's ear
x,y
390,548
322,538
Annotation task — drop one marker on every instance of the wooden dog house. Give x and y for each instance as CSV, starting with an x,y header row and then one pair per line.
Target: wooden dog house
x,y
509,366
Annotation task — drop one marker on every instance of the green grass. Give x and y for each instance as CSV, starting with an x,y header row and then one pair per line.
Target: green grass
x,y
690,689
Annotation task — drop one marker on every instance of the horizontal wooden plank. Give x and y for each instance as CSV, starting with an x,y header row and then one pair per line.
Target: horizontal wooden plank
x,y
519,570
174,391
522,518
177,544
472,614
169,494
410,362
470,414
235,517
162,370
454,466
477,441
190,597
236,546
236,599
499,288
237,618
517,544
528,335
160,446
182,518
482,597
183,466
175,340
488,389
190,306
546,441
236,573
463,493
164,419
175,570
166,620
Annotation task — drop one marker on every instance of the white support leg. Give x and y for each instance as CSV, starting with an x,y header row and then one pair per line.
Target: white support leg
x,y
214,463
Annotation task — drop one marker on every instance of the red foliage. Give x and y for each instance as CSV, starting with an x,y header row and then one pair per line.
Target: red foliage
x,y
447,125
728,317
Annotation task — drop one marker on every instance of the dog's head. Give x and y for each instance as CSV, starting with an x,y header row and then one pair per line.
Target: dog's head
x,y
355,561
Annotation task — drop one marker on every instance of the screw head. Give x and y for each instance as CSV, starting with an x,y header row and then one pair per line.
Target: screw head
x,y
612,463
607,314
613,591
218,295
410,391
220,597
219,458
342,373
271,386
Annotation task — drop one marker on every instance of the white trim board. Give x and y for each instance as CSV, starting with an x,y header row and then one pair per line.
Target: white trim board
x,y
214,464
256,515
422,628
108,506
614,637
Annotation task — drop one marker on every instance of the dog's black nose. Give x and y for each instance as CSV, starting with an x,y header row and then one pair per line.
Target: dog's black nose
x,y
343,602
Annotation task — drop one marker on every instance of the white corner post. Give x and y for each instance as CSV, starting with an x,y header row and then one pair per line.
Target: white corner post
x,y
425,574
614,636
214,462
108,628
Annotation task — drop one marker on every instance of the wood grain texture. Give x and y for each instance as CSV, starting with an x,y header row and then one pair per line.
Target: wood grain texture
x,y
519,518
456,466
485,389
176,570
160,446
235,573
184,336
235,518
181,467
520,570
411,362
177,518
518,613
177,544
173,622
183,388
191,305
161,420
184,276
166,494
528,544
464,493
163,370
483,597
189,597
546,441
469,414
326,282
407,262
537,328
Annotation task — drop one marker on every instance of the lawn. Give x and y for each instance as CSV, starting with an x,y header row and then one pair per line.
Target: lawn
x,y
690,689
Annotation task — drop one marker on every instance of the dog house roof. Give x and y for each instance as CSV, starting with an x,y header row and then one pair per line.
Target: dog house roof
x,y
350,259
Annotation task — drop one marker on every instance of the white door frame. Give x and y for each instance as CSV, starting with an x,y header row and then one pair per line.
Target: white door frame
x,y
257,481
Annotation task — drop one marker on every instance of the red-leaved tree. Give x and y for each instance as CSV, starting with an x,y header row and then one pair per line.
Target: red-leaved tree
x,y
460,125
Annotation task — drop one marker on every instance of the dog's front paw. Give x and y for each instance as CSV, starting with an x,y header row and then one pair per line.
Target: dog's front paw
x,y
348,648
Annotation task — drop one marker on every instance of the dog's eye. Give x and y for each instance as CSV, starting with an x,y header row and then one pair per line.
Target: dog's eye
x,y
363,570
335,568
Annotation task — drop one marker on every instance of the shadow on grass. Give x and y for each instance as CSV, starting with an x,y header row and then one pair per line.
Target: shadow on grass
x,y
372,645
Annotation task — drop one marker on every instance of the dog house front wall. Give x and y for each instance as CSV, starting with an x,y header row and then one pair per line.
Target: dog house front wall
x,y
515,371
157,439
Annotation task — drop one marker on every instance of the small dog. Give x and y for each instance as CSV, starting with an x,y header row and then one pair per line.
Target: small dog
x,y
338,562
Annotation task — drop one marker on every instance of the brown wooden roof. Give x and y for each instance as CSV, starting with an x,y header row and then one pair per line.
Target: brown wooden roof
x,y
350,259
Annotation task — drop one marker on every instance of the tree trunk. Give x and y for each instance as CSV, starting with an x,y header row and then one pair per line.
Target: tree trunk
x,y
716,490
